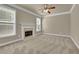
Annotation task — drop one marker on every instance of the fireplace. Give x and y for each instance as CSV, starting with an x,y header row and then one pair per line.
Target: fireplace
x,y
27,30
28,33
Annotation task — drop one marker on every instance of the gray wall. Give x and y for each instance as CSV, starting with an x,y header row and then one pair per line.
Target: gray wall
x,y
25,18
75,24
57,24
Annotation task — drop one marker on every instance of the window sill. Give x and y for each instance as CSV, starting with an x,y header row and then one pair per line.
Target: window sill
x,y
7,35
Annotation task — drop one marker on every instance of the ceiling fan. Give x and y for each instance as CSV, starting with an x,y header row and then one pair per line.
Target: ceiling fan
x,y
47,8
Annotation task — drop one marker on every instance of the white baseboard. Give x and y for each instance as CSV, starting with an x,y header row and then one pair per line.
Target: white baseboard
x,y
65,36
75,42
57,35
10,42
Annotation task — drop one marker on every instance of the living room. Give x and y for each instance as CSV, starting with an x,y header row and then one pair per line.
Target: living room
x,y
24,28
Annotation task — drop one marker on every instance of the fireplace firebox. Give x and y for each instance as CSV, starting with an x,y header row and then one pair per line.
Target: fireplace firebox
x,y
28,33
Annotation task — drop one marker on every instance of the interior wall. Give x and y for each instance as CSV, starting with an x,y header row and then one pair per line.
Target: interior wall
x,y
25,18
75,24
57,24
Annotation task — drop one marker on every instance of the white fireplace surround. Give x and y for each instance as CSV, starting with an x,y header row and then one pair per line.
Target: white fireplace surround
x,y
27,28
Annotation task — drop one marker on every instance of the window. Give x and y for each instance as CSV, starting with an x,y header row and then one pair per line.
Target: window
x,y
38,24
7,21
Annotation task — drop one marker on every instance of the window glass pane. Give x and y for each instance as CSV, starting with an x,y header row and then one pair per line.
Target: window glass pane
x,y
7,21
6,14
38,24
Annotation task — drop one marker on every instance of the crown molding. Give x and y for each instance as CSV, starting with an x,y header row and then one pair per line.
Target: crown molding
x,y
57,14
72,8
23,9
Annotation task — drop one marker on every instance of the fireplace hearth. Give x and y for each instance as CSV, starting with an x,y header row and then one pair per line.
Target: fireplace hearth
x,y
28,33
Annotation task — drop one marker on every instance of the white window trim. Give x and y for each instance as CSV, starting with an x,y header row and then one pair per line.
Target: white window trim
x,y
13,22
38,30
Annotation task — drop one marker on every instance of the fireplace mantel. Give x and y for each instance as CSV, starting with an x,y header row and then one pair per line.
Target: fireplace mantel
x,y
27,27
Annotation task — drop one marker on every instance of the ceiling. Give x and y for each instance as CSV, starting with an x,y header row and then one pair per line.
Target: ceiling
x,y
35,7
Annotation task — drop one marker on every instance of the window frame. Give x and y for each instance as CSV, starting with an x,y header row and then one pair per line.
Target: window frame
x,y
9,23
38,24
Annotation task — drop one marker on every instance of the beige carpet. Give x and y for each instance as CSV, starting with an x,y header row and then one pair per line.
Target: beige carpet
x,y
42,44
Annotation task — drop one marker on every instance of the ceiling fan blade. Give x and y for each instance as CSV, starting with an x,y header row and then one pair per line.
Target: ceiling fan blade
x,y
49,12
52,7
